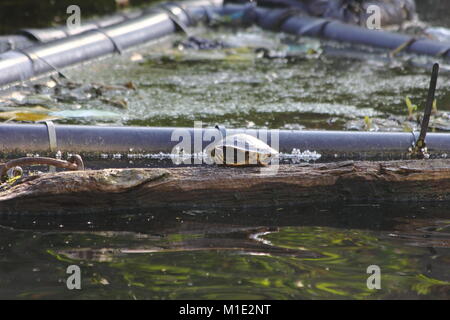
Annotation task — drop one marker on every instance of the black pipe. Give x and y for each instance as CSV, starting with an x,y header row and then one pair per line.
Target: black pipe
x,y
20,65
282,20
22,139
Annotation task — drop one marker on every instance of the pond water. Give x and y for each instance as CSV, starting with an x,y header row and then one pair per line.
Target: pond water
x,y
297,84
279,253
275,253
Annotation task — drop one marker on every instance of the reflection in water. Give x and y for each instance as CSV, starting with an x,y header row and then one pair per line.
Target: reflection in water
x,y
278,253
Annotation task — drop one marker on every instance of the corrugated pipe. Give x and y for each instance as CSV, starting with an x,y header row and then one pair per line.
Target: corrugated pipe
x,y
20,65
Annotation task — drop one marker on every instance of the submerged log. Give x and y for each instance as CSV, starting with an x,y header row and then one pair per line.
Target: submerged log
x,y
112,190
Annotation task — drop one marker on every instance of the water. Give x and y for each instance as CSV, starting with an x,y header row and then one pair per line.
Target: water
x,y
159,85
279,253
275,253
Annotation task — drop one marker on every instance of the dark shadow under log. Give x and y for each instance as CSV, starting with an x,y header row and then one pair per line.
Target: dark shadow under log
x,y
115,190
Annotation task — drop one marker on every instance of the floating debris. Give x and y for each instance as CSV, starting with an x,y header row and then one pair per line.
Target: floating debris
x,y
291,52
116,102
136,57
87,113
40,101
391,124
36,99
197,43
438,33
20,115
439,120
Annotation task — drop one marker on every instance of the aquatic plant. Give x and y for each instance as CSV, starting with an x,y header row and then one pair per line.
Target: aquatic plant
x,y
412,108
367,123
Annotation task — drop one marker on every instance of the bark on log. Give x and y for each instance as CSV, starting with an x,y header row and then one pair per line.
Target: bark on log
x,y
111,190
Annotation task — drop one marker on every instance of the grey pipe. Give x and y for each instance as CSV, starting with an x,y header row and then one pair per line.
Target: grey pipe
x,y
20,65
28,37
20,139
283,20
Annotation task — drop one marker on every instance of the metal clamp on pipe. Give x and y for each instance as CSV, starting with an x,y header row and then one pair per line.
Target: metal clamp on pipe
x,y
114,42
169,8
51,140
33,57
175,19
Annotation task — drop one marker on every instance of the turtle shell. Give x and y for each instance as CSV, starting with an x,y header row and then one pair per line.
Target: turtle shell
x,y
241,150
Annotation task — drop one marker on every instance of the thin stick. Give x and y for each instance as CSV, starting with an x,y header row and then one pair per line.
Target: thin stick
x,y
428,108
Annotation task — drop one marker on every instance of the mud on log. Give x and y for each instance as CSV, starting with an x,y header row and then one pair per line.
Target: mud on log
x,y
112,190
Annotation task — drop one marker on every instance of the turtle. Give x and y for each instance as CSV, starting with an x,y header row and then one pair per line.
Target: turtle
x,y
241,150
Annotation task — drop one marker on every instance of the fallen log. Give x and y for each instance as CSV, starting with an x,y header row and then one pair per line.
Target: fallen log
x,y
113,190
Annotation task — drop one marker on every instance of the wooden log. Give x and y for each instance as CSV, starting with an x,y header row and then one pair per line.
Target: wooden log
x,y
112,190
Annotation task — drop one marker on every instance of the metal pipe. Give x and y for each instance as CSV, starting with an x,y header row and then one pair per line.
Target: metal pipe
x,y
22,139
